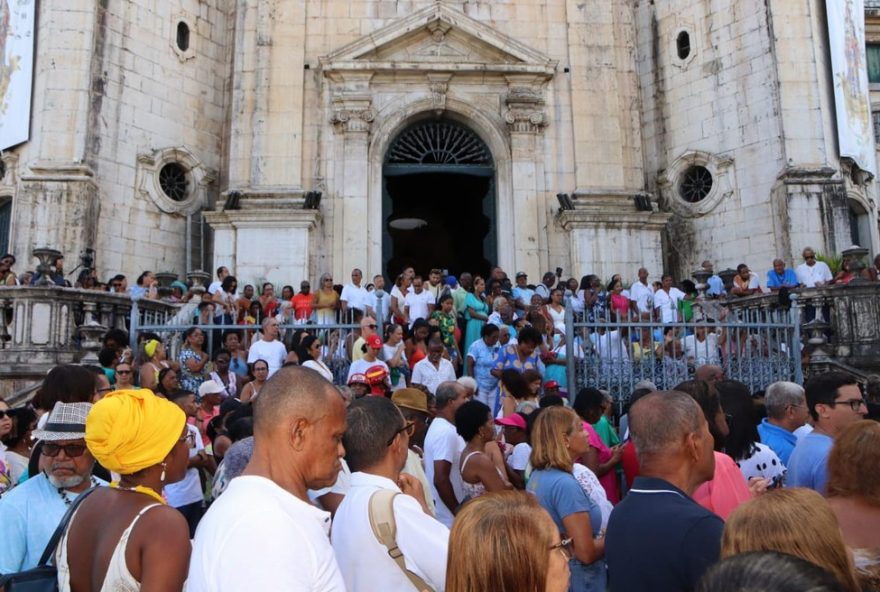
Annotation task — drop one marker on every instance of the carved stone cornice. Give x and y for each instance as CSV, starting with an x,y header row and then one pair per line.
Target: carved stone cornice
x,y
352,114
524,103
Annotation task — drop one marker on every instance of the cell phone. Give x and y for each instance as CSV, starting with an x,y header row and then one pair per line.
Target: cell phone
x,y
559,272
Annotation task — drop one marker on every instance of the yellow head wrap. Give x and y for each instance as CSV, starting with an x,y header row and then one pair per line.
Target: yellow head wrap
x,y
150,347
130,430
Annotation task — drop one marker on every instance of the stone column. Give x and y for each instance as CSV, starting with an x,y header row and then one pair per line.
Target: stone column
x,y
352,116
526,120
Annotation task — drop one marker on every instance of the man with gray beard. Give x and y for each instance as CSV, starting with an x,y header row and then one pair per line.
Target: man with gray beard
x,y
30,513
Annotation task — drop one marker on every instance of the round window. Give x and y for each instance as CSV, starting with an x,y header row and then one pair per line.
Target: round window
x,y
173,181
696,183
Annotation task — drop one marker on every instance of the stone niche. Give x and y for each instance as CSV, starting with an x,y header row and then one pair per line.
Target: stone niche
x,y
435,62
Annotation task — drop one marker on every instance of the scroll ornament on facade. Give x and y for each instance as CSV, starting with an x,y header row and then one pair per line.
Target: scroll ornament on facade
x,y
525,110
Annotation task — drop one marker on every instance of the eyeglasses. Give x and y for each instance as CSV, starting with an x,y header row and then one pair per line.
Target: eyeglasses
x,y
123,372
410,429
5,413
70,450
564,547
854,404
372,326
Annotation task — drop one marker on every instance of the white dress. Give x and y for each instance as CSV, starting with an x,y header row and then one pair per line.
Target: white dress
x,y
118,578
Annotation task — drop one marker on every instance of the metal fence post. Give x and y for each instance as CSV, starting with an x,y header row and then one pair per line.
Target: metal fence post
x,y
570,351
133,322
795,318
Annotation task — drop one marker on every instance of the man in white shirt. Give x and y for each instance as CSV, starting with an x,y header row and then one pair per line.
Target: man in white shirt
x,y
702,347
376,305
377,443
643,294
262,533
353,295
443,448
543,289
268,347
187,495
666,301
222,272
812,273
418,303
434,368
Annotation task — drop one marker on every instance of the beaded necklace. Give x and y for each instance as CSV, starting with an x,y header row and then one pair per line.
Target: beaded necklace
x,y
140,489
67,501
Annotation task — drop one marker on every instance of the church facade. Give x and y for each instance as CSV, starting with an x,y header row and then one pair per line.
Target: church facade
x,y
290,138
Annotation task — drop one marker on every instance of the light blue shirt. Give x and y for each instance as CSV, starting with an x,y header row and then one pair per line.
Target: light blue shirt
x,y
29,514
484,360
523,294
808,465
780,440
716,286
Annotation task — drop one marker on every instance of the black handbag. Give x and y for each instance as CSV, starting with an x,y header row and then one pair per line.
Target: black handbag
x,y
43,577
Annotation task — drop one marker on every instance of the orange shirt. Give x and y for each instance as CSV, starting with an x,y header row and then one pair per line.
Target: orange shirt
x,y
302,306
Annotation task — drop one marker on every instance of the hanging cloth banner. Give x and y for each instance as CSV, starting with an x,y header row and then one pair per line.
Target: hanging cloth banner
x,y
846,35
16,70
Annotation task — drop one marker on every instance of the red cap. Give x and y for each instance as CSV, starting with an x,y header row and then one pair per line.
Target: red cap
x,y
374,341
357,378
516,420
551,384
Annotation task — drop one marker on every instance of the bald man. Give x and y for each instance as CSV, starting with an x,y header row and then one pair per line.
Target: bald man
x,y
660,539
263,534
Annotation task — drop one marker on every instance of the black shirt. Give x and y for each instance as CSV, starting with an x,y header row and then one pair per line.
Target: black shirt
x,y
659,539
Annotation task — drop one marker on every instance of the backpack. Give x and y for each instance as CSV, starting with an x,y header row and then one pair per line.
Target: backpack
x,y
385,529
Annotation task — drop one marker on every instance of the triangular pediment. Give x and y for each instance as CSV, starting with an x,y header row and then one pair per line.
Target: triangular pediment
x,y
438,37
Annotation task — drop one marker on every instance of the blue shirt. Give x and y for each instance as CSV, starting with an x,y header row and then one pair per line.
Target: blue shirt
x,y
780,440
716,286
659,539
808,465
787,280
508,357
523,294
484,360
29,514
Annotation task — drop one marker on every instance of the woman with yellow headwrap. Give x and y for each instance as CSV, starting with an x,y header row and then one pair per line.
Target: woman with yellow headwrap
x,y
153,353
126,536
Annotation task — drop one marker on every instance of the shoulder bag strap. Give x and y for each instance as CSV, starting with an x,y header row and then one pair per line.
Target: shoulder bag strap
x,y
49,551
385,529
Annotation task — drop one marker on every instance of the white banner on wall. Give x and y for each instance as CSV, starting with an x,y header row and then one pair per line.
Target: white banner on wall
x,y
846,35
16,70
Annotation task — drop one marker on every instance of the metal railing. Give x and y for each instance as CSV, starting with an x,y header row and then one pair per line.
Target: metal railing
x,y
754,346
337,337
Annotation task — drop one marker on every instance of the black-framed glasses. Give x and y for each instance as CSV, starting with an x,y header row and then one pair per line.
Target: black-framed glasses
x,y
410,429
564,547
123,372
854,404
51,449
5,413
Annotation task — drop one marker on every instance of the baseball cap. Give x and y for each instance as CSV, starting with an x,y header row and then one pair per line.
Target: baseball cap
x,y
209,387
374,341
357,378
516,420
452,281
411,398
376,376
520,274
551,384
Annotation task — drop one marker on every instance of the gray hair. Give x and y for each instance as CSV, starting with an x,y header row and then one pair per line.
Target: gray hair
x,y
782,395
446,392
661,419
468,382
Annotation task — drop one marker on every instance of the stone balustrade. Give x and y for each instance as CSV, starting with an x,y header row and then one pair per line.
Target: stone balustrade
x,y
846,329
42,326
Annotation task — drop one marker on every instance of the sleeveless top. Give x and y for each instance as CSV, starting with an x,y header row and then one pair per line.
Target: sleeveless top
x,y
118,578
472,490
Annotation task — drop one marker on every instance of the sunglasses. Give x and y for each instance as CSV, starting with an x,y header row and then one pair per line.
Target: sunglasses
x,y
5,413
410,429
123,372
70,450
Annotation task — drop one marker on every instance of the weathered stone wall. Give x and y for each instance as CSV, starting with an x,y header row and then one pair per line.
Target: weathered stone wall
x,y
111,88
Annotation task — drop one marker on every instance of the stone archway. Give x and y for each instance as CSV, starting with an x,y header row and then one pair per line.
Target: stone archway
x,y
438,200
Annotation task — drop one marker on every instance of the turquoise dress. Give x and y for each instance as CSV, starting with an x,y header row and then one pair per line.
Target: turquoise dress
x,y
474,326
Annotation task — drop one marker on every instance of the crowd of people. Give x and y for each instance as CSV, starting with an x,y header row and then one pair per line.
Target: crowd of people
x,y
450,455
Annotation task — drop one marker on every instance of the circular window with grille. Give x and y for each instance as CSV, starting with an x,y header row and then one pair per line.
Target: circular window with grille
x,y
696,184
173,180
